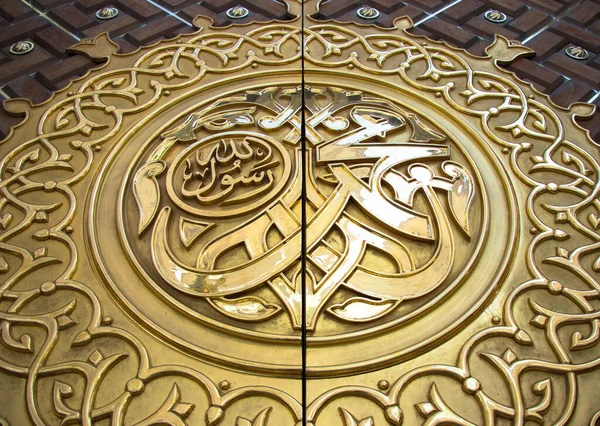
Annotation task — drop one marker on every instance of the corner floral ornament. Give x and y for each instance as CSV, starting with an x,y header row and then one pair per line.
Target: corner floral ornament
x,y
178,223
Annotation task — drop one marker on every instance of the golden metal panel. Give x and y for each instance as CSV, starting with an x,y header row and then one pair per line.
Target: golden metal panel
x,y
95,331
178,224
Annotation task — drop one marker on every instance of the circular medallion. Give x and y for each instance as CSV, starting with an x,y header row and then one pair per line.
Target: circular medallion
x,y
211,214
203,229
228,174
193,231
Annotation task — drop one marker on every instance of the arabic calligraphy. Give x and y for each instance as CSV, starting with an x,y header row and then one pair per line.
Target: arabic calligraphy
x,y
226,173
381,183
80,185
74,357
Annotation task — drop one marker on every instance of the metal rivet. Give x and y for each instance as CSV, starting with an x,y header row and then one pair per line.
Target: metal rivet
x,y
383,384
22,47
367,12
495,16
577,52
237,12
108,12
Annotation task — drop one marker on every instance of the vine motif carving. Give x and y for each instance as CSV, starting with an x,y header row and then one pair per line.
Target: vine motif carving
x,y
36,220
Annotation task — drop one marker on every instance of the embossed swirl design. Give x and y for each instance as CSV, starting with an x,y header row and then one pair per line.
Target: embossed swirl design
x,y
426,226
39,257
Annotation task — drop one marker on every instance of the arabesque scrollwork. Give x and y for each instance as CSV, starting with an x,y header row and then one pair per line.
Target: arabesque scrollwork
x,y
42,305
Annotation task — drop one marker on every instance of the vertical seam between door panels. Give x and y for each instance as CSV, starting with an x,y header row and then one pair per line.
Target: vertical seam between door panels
x,y
303,220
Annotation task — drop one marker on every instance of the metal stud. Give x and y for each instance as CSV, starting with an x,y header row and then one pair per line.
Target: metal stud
x,y
22,47
237,12
367,12
495,16
108,12
577,52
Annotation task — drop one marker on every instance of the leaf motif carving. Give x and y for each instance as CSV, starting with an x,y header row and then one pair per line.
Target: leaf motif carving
x,y
358,309
434,410
461,194
259,420
172,412
248,308
147,192
350,420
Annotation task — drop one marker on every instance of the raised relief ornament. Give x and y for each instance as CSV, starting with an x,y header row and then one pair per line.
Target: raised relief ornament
x,y
179,225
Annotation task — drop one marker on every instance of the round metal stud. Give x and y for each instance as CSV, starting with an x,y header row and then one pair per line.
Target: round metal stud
x,y
383,384
108,12
495,16
577,52
237,12
22,47
367,12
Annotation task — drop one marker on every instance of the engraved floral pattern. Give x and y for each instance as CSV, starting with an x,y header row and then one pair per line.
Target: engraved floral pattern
x,y
44,308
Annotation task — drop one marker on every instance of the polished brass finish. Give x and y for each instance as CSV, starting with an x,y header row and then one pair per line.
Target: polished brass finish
x,y
152,218
237,12
495,16
108,12
577,52
22,47
367,12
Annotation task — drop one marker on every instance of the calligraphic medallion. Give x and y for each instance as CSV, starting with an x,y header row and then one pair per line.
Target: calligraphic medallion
x,y
210,217
318,224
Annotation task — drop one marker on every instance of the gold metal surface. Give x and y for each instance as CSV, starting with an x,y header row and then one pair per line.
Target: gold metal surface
x,y
179,223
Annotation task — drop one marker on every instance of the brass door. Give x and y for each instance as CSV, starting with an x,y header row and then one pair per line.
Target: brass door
x,y
299,222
